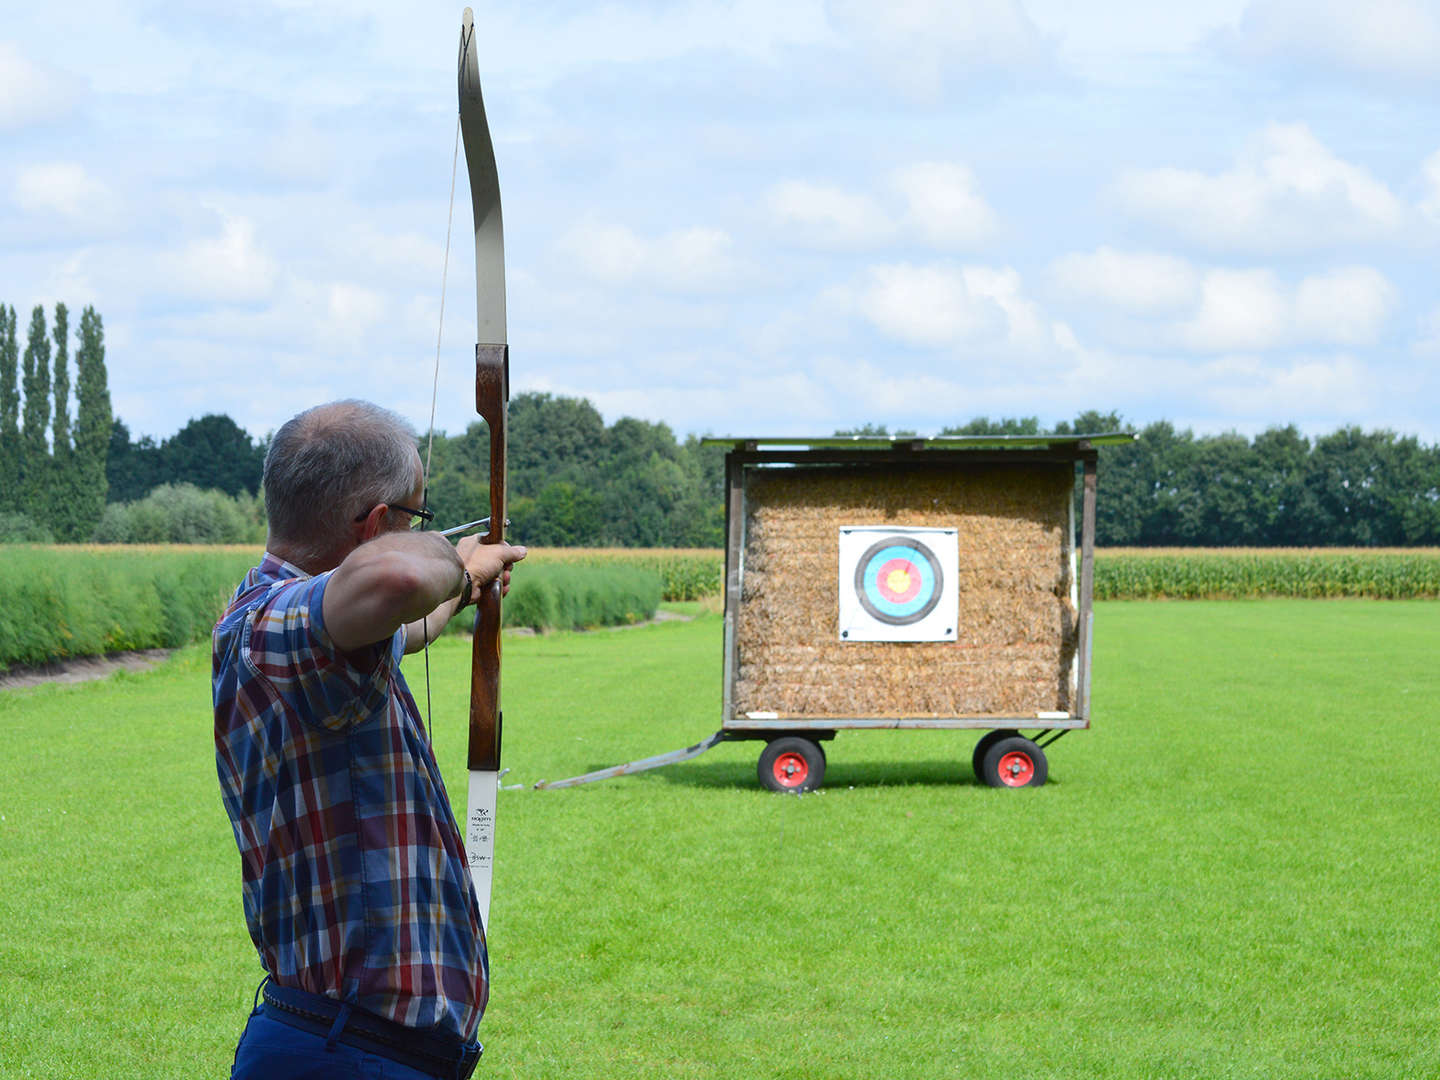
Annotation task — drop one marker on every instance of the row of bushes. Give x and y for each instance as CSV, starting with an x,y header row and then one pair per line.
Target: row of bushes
x,y
62,602
684,573
567,596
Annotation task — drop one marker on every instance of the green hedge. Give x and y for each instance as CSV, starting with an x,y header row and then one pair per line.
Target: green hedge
x,y
1218,574
685,573
59,602
572,596
62,602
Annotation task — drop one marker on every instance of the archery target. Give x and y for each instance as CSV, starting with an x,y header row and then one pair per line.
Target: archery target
x,y
897,584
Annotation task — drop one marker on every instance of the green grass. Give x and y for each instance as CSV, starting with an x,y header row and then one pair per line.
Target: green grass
x,y
1232,875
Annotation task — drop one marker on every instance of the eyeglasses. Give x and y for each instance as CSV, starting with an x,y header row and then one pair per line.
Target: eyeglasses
x,y
417,517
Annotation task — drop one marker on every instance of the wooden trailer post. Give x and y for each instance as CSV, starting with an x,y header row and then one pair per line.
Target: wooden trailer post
x,y
734,559
1086,614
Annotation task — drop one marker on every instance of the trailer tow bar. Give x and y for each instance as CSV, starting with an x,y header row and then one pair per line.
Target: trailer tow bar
x,y
655,762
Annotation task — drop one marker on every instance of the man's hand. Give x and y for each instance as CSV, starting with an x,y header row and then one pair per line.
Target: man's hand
x,y
486,562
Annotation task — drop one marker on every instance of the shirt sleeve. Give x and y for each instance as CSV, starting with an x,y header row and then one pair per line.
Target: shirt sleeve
x,y
286,643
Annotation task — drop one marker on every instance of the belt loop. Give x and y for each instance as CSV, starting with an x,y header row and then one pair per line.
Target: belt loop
x,y
340,1018
255,1005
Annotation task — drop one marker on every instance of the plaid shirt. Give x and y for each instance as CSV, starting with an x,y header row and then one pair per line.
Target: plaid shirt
x,y
355,879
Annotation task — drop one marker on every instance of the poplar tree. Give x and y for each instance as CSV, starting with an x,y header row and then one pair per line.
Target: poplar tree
x,y
92,420
35,455
9,413
67,485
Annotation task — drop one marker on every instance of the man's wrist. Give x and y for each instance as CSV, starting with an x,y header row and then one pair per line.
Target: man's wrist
x,y
467,587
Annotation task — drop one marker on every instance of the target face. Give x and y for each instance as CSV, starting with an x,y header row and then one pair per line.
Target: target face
x,y
898,580
897,584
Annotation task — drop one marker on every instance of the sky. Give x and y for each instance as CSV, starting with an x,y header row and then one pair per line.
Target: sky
x,y
744,217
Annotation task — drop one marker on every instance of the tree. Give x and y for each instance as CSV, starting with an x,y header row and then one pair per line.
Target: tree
x,y
132,469
60,442
213,453
68,512
92,418
983,425
9,413
35,455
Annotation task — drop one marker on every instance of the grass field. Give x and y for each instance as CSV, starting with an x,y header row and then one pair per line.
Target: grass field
x,y
1232,875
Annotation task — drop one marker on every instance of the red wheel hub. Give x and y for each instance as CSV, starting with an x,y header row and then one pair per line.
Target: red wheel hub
x,y
1016,769
791,769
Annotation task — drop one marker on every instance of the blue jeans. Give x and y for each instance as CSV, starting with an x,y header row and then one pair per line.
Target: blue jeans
x,y
270,1050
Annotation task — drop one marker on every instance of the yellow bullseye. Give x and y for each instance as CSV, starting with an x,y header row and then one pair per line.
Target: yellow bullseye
x,y
898,581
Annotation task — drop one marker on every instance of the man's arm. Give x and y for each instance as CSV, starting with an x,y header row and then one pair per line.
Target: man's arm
x,y
403,577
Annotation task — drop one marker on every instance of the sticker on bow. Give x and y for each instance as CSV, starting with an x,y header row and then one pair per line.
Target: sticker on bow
x,y
898,584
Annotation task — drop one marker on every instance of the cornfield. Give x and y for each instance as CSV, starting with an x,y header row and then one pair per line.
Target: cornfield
x,y
1234,573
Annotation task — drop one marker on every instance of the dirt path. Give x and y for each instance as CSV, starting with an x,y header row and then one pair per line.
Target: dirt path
x,y
81,669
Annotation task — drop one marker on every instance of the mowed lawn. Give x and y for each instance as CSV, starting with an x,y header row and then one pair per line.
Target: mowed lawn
x,y
1234,874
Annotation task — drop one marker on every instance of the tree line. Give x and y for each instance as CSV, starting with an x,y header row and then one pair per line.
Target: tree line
x,y
575,481
1172,488
53,481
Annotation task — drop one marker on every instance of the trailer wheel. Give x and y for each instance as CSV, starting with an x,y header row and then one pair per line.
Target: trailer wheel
x,y
792,764
1014,761
977,758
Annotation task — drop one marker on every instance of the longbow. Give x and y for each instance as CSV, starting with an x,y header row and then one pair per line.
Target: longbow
x,y
492,391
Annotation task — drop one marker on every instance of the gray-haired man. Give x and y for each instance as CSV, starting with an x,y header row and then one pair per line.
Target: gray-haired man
x,y
356,889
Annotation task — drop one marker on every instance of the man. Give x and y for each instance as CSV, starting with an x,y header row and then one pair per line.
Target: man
x,y
356,888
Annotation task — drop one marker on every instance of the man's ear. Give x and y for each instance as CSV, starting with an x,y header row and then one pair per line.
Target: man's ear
x,y
372,524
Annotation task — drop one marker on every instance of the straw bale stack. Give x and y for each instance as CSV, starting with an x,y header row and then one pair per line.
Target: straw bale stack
x,y
1016,629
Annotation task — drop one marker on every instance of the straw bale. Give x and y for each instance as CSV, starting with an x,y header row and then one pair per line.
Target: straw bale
x,y
1017,628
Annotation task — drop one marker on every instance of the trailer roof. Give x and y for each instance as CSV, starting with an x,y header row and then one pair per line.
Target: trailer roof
x,y
921,442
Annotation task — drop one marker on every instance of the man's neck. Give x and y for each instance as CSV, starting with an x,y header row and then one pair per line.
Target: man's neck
x,y
300,557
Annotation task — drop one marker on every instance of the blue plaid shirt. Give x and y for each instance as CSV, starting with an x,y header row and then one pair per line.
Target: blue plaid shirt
x,y
354,874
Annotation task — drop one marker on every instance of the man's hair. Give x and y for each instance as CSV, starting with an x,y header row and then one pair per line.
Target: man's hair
x,y
331,464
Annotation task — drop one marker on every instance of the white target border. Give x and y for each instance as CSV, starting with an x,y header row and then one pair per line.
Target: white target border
x,y
857,624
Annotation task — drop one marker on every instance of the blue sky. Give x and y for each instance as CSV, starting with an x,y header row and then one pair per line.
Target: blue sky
x,y
746,217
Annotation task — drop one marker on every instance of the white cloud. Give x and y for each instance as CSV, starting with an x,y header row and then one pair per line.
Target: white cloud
x,y
943,305
29,92
1333,387
696,260
229,267
1138,282
828,216
921,44
62,188
1378,37
936,204
1344,307
945,207
1239,309
1286,192
928,305
1164,301
1428,342
1430,201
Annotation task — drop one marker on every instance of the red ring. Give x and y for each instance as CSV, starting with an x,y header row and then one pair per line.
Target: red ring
x,y
882,580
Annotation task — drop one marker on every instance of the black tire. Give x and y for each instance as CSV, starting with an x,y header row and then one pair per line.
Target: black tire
x,y
791,764
989,739
1014,761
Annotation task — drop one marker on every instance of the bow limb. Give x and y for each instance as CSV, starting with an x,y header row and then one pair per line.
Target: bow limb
x,y
492,391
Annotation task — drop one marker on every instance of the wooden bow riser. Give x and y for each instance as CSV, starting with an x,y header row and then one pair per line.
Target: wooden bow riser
x,y
492,392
